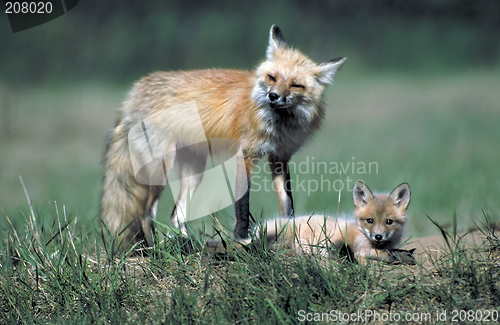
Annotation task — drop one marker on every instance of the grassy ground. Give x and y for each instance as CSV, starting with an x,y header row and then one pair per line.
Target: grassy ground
x,y
64,273
437,132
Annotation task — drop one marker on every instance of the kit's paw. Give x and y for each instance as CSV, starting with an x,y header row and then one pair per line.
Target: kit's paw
x,y
403,256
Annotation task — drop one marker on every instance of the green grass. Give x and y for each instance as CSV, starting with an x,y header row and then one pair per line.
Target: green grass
x,y
55,141
60,271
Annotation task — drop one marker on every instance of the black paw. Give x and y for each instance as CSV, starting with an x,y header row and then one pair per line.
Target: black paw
x,y
404,256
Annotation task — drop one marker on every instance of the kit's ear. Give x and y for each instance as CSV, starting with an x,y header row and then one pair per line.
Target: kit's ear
x,y
361,194
401,196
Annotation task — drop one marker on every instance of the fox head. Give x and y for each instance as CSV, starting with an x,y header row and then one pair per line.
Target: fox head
x,y
381,217
288,78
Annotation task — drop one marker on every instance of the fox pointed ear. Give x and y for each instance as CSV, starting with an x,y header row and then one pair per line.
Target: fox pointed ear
x,y
401,196
329,69
361,194
276,40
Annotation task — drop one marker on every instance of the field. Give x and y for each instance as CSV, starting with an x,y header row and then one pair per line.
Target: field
x,y
438,132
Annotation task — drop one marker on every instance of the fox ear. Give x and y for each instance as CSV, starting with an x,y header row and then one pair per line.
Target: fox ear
x,y
276,40
401,196
361,194
329,69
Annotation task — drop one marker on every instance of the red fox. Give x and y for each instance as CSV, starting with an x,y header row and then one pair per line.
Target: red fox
x,y
271,111
374,232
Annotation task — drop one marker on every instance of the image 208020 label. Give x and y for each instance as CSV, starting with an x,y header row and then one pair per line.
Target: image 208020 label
x,y
28,7
28,14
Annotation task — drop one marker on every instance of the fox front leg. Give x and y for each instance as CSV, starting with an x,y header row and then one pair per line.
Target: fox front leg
x,y
282,185
242,205
242,213
388,256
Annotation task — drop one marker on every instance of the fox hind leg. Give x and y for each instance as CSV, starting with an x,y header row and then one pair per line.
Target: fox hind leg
x,y
191,165
151,209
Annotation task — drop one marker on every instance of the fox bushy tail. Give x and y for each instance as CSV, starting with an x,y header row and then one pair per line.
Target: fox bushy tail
x,y
123,198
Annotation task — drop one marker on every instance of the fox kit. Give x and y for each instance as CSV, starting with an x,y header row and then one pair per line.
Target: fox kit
x,y
374,232
270,111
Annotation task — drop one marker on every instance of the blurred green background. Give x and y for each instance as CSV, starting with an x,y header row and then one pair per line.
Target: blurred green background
x,y
419,96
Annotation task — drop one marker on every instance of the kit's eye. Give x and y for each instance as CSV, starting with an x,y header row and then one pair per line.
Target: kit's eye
x,y
272,78
369,220
389,222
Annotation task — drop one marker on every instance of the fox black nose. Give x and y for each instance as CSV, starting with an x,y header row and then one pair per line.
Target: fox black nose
x,y
378,237
273,96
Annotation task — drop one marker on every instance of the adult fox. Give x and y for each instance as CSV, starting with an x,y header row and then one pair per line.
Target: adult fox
x,y
271,111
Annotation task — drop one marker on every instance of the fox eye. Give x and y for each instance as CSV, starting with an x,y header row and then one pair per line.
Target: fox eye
x,y
369,220
272,78
298,86
389,222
